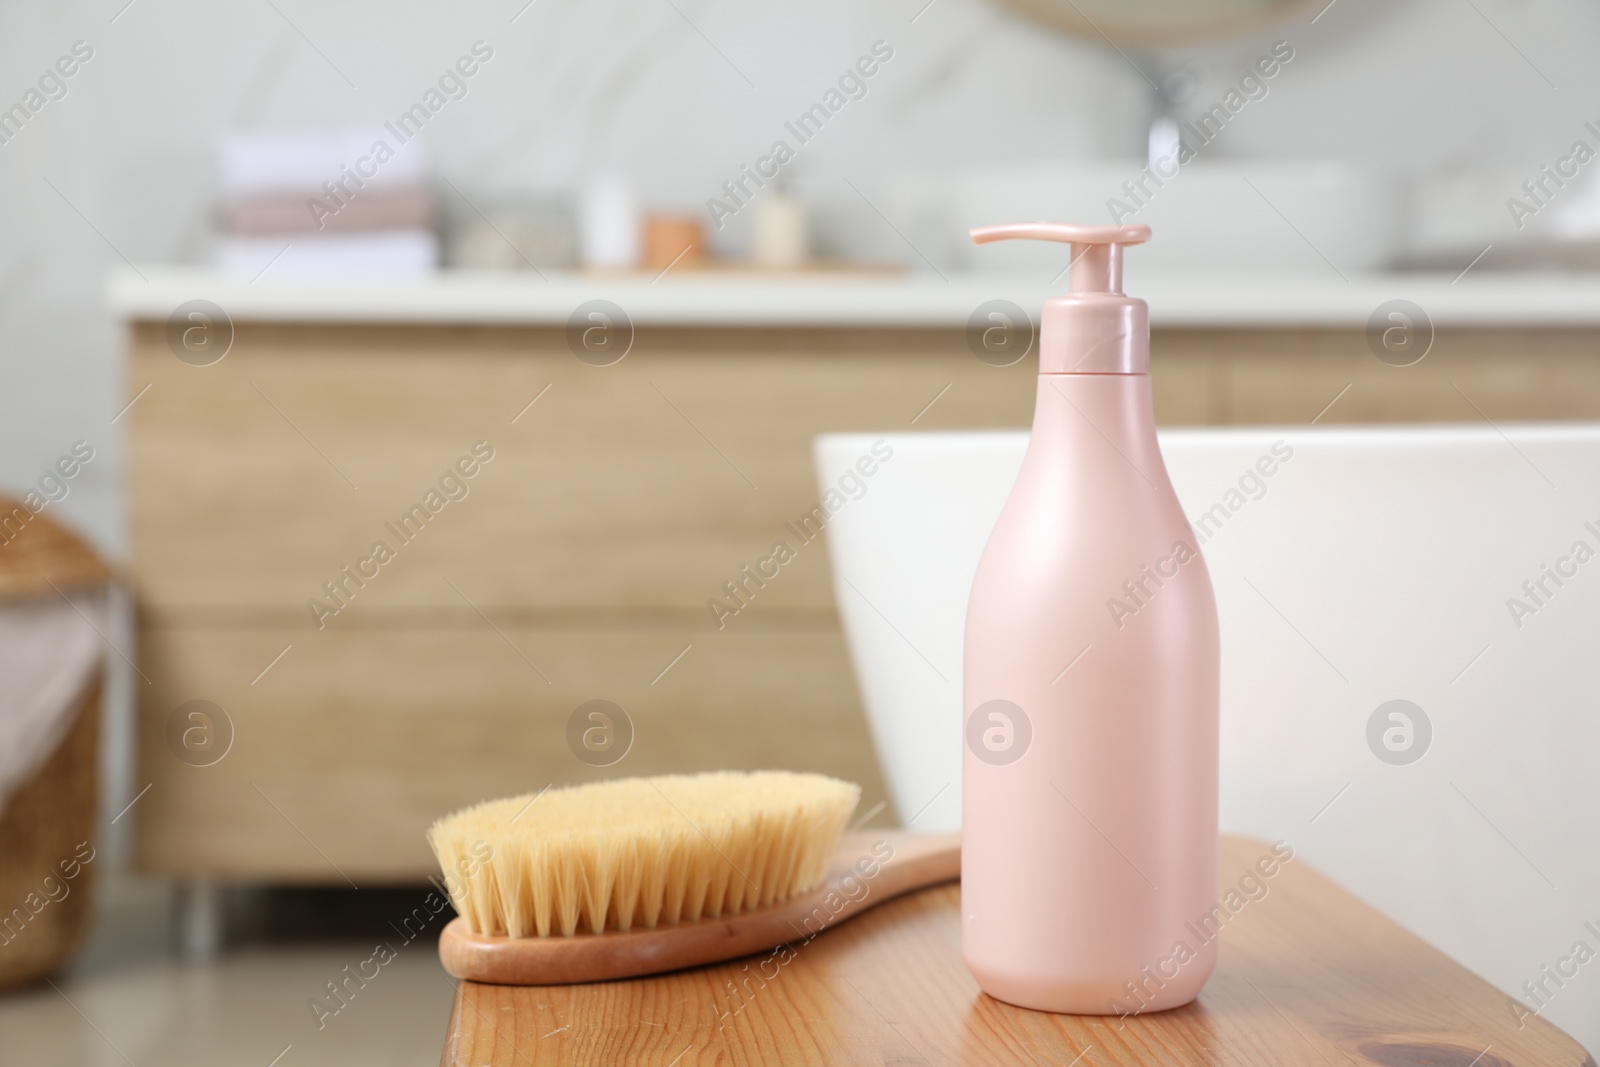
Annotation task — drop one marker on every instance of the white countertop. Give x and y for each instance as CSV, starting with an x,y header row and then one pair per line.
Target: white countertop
x,y
734,299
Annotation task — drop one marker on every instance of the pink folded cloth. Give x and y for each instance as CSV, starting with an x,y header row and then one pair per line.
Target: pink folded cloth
x,y
365,209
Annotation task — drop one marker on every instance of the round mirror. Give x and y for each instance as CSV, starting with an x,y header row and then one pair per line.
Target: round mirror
x,y
1153,22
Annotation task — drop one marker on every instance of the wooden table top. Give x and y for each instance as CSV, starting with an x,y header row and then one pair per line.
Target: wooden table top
x,y
1306,975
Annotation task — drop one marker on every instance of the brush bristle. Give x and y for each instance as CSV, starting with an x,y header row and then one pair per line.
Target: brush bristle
x,y
640,851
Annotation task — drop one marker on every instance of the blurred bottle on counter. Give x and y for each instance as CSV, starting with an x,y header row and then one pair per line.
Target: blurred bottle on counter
x,y
354,202
673,241
608,223
780,236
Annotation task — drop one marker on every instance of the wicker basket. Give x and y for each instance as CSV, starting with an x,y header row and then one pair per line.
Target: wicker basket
x,y
47,821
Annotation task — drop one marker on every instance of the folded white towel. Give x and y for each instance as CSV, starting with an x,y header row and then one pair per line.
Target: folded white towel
x,y
255,163
376,254
48,651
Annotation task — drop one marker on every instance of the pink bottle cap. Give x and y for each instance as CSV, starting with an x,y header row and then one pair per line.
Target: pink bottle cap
x,y
1095,328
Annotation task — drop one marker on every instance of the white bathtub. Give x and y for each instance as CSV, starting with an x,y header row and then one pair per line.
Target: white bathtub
x,y
1374,565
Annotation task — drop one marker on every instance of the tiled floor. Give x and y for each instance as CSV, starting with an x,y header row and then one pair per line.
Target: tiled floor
x,y
127,1001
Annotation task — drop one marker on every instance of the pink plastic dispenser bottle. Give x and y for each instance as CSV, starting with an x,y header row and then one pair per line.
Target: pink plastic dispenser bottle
x,y
1089,821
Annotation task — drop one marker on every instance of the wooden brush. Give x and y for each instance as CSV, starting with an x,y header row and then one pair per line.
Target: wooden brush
x,y
638,876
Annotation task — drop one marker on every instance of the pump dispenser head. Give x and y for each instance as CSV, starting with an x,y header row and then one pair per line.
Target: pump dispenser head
x,y
1094,329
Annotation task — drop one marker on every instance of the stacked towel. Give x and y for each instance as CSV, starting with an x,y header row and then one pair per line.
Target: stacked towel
x,y
354,202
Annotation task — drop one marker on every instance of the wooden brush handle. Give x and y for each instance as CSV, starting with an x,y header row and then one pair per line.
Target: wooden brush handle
x,y
868,868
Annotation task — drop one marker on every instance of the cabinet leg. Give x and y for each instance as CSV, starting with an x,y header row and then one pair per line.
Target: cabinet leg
x,y
200,924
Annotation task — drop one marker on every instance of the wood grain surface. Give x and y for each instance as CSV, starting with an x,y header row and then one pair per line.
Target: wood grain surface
x,y
643,485
1307,977
362,736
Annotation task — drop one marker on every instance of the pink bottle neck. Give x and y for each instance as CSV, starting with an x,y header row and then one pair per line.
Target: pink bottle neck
x,y
1109,416
1095,333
